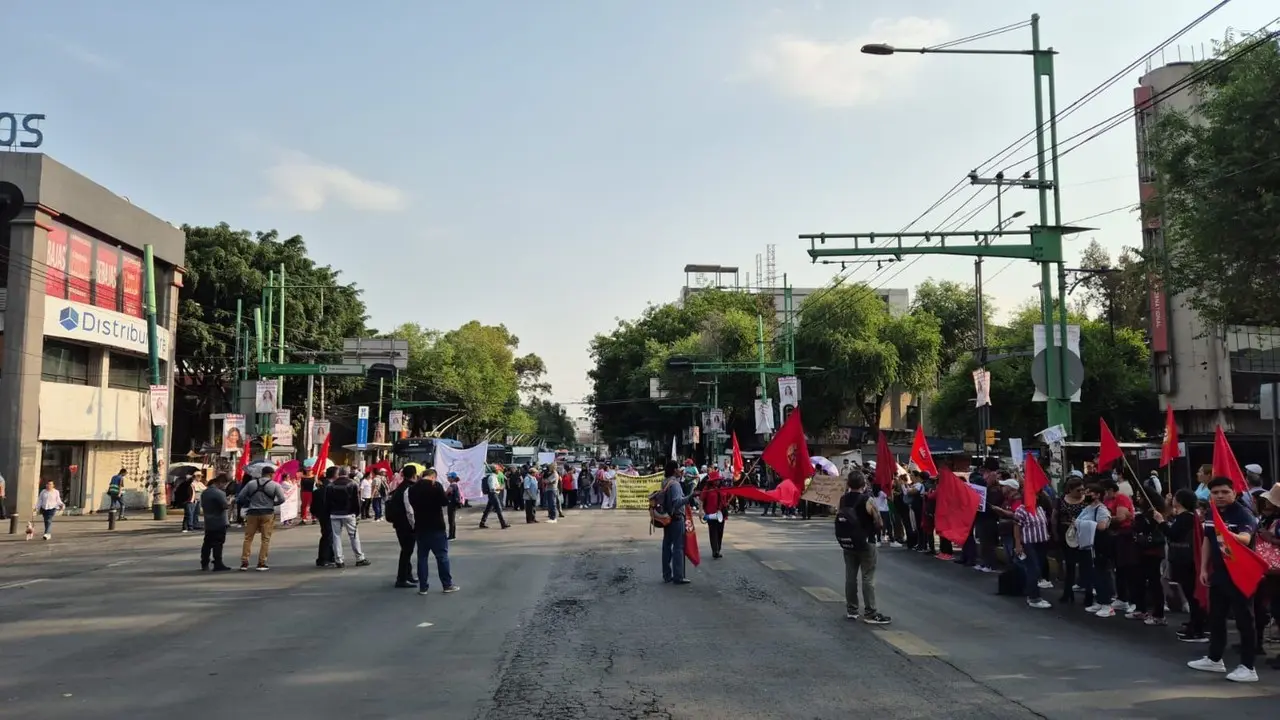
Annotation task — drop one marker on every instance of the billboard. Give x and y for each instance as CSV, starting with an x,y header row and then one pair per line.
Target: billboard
x,y
80,269
55,282
131,282
106,276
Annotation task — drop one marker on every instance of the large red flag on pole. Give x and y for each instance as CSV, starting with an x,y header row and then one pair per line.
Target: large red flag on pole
x,y
322,457
1108,450
957,506
1244,566
920,454
738,465
691,538
788,452
1033,480
242,462
1169,448
886,464
1224,463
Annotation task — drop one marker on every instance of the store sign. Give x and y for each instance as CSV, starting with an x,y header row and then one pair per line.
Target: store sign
x,y
21,130
131,279
106,277
81,322
80,266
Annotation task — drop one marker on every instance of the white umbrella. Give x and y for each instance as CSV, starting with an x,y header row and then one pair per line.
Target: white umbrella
x,y
254,469
825,465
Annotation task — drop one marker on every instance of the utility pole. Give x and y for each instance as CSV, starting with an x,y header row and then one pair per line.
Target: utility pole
x,y
1045,237
156,483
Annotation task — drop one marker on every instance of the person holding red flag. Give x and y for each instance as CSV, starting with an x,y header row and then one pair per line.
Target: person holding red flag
x,y
672,501
1232,571
1169,450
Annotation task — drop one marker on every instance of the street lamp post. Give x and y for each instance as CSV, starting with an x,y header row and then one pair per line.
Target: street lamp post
x,y
984,411
1046,235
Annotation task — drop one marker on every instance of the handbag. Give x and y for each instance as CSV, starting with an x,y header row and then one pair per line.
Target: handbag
x,y
1270,553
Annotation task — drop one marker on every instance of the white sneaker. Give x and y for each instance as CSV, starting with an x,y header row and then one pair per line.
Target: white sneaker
x,y
1106,612
895,544
1120,605
1094,608
46,536
1130,607
1204,664
1039,604
1243,674
553,521
1045,585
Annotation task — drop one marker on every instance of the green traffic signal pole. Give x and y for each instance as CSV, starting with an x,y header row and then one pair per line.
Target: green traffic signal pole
x,y
1046,236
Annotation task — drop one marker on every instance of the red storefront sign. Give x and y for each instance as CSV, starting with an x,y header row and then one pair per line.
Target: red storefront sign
x,y
55,270
80,268
1159,314
131,280
106,277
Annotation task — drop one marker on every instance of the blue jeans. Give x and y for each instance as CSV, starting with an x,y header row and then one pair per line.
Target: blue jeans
x,y
377,508
1095,577
549,502
673,551
191,516
435,543
48,519
1031,569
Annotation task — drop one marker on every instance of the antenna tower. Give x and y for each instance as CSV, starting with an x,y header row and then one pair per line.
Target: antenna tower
x,y
771,266
759,271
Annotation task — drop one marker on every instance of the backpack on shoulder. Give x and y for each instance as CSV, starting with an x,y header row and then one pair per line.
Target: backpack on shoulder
x,y
395,511
659,515
849,531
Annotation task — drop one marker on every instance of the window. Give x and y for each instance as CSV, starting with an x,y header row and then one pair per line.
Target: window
x,y
128,372
65,363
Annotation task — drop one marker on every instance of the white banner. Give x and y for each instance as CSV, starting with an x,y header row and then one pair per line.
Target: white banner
x,y
982,386
395,421
159,404
319,431
264,396
713,421
764,416
546,458
292,501
282,428
468,464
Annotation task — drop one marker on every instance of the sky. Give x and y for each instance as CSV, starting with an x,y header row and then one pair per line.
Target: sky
x,y
552,165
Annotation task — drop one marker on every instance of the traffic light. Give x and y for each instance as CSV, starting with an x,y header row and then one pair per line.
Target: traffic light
x,y
268,441
990,438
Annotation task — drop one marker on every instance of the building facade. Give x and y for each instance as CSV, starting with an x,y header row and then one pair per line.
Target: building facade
x,y
74,371
1210,375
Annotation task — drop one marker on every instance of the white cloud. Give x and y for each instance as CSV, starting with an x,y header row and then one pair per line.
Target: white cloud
x,y
303,183
837,74
84,56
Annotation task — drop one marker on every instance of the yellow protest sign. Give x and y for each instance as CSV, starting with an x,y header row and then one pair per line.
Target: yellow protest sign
x,y
825,490
633,492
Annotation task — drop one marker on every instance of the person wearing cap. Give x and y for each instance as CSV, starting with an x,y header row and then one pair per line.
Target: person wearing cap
x,y
454,495
259,498
493,485
1253,478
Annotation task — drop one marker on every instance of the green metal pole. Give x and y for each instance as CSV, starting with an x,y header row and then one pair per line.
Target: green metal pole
x,y
1065,397
280,354
1053,405
153,356
235,376
270,290
764,388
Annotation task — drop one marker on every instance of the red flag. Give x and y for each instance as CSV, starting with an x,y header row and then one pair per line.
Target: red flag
x,y
886,464
738,465
322,457
1225,465
1244,566
957,506
1108,450
788,453
1197,540
1033,480
242,463
691,538
1169,448
920,454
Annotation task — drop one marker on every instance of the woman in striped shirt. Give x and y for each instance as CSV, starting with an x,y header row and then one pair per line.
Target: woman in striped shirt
x,y
1030,534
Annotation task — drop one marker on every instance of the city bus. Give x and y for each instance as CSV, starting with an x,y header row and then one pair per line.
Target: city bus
x,y
419,450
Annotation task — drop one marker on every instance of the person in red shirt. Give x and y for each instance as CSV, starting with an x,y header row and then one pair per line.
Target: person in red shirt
x,y
714,509
1126,552
569,484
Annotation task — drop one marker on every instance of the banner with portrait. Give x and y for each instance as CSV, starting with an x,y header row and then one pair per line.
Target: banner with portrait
x,y
233,434
158,402
264,396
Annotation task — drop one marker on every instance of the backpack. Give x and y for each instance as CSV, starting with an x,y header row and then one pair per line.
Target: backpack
x,y
395,512
850,533
659,515
486,485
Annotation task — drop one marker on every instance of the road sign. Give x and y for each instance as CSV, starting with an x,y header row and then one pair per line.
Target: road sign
x,y
277,369
1075,367
362,427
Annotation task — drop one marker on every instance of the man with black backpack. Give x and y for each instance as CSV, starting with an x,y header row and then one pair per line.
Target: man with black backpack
x,y
856,522
399,519
490,487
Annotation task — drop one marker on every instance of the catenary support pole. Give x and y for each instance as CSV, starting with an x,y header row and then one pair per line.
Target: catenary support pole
x,y
155,482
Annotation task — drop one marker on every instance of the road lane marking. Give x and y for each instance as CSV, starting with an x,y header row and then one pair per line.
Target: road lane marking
x,y
121,563
776,565
425,625
908,644
22,583
824,594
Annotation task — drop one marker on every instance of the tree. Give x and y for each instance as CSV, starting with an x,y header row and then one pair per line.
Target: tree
x,y
1117,385
223,265
552,422
710,325
864,352
1218,187
1118,296
955,307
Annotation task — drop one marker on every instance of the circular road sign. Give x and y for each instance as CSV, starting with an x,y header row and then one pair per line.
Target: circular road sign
x,y
1075,373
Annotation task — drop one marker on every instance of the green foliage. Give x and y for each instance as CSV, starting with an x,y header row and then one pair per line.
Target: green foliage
x,y
1117,386
1119,296
223,265
551,423
864,352
955,306
1218,179
710,325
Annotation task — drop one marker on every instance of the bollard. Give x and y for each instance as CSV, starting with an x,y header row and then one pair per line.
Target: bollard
x,y
111,519
13,524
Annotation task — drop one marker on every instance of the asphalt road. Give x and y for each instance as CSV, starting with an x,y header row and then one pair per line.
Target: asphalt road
x,y
564,621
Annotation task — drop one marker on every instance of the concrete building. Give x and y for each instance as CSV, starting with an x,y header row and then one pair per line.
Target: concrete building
x,y
74,375
1210,375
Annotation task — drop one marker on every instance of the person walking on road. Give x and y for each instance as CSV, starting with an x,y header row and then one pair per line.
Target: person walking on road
x,y
366,496
714,510
672,501
48,505
425,508
214,503
191,509
454,496
259,498
398,516
490,487
343,498
115,491
320,511
548,486
530,497
857,521
380,491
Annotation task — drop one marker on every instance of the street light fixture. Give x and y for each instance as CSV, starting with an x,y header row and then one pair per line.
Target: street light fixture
x,y
878,49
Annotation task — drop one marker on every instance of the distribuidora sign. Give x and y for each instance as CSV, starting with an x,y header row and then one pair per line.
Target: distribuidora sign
x,y
80,322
